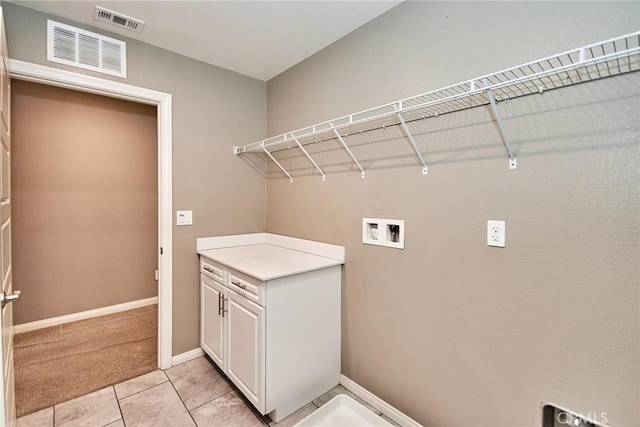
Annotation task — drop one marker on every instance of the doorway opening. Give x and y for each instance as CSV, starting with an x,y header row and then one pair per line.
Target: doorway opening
x,y
85,220
84,201
163,103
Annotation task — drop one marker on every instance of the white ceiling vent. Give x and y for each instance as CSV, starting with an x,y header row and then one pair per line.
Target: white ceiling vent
x,y
118,19
84,49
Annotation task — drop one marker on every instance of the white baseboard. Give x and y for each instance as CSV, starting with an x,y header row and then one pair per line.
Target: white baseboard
x,y
379,404
55,321
186,356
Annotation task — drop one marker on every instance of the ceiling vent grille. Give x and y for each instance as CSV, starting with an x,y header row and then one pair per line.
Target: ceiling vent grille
x,y
84,49
118,19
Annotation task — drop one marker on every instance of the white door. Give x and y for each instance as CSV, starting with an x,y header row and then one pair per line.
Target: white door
x,y
211,319
7,399
245,347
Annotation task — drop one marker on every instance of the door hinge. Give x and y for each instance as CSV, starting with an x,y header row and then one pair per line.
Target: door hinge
x,y
161,250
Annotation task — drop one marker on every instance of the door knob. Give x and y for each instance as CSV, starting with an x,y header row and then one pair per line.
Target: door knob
x,y
4,298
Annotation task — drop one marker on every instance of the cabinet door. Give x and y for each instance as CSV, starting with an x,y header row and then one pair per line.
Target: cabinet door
x,y
245,347
212,331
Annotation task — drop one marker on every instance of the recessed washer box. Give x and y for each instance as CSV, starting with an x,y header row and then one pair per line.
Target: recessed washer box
x,y
383,232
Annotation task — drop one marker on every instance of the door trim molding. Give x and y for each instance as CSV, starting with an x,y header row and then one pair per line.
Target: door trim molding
x,y
57,77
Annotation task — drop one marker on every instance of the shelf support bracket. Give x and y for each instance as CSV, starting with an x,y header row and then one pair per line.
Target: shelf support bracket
x,y
309,157
346,147
277,163
513,164
425,169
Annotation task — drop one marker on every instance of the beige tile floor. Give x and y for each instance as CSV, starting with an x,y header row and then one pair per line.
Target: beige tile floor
x,y
191,394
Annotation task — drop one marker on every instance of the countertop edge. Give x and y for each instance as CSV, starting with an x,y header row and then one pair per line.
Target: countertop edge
x,y
331,263
325,250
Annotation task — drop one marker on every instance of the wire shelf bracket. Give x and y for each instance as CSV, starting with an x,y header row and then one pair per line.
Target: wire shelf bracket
x,y
513,164
278,163
608,58
313,162
407,132
347,149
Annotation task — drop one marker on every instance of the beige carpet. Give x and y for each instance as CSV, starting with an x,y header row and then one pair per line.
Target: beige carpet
x,y
59,363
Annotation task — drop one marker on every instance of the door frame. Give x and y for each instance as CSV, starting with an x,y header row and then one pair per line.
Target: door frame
x,y
57,77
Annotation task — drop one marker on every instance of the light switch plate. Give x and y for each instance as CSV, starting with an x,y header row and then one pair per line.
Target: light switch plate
x,y
184,218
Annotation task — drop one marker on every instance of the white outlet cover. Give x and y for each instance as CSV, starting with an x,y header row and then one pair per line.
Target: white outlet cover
x,y
496,233
184,218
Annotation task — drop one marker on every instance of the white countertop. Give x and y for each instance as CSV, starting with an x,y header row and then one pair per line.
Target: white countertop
x,y
266,261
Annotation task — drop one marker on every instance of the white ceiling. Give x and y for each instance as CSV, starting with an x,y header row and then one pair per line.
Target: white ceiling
x,y
260,39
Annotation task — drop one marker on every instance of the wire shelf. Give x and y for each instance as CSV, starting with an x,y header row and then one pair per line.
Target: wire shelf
x,y
607,58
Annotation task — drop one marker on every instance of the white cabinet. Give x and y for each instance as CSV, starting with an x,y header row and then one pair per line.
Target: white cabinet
x,y
232,334
276,337
245,347
213,335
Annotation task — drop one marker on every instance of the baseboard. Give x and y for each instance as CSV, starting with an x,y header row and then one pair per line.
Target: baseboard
x,y
186,356
378,403
55,321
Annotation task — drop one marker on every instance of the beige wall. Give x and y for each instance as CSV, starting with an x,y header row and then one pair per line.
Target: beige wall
x,y
85,200
213,109
450,331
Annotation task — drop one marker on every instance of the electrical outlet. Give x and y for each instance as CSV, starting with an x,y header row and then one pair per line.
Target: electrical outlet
x,y
496,233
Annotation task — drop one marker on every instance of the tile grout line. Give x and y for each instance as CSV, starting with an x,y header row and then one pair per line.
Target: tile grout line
x,y
180,397
140,391
210,400
223,376
234,389
119,408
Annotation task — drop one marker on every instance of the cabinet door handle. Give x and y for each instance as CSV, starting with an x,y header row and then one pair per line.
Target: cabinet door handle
x,y
220,302
209,269
224,310
239,284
